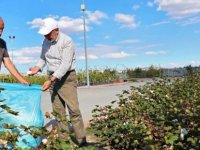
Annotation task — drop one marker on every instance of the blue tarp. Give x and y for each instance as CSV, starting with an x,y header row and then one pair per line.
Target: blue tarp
x,y
26,100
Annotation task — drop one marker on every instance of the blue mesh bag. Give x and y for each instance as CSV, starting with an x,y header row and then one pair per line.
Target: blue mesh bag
x,y
26,100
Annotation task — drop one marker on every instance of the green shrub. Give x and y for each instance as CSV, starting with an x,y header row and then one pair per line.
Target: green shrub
x,y
32,79
98,77
10,133
160,115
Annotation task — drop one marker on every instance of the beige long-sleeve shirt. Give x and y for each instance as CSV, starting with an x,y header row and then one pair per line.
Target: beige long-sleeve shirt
x,y
58,56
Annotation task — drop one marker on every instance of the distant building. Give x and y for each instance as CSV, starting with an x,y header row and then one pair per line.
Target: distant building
x,y
178,72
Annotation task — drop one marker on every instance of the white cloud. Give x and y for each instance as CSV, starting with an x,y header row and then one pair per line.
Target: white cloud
x,y
68,24
107,37
36,23
160,23
153,53
88,57
150,4
101,49
190,21
193,63
179,8
116,55
130,41
147,46
65,23
96,51
92,56
27,51
71,25
96,16
126,21
25,60
135,7
26,55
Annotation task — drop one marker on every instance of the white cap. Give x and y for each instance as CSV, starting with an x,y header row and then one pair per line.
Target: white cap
x,y
48,25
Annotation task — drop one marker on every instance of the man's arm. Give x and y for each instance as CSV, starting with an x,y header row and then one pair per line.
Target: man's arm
x,y
11,68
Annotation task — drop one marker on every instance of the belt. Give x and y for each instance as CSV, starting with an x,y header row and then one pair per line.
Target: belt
x,y
51,72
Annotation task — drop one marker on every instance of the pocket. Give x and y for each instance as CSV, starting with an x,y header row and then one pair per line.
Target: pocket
x,y
72,78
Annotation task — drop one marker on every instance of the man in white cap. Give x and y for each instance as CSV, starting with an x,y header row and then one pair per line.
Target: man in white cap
x,y
4,57
58,55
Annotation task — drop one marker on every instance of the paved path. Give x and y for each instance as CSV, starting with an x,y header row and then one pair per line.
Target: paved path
x,y
90,96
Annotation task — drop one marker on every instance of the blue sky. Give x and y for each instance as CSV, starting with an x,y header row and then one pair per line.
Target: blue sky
x,y
120,33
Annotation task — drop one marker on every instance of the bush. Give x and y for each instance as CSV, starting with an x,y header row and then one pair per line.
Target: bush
x,y
10,133
159,115
98,77
32,79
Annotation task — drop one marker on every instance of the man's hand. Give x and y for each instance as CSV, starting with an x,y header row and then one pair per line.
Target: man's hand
x,y
11,68
46,85
34,70
25,82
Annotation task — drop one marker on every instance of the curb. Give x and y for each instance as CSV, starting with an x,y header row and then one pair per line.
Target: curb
x,y
104,85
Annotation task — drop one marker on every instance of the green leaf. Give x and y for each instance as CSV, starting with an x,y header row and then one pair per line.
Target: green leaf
x,y
12,112
192,140
2,100
4,107
171,138
168,128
